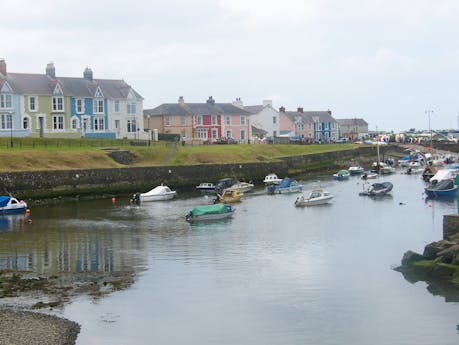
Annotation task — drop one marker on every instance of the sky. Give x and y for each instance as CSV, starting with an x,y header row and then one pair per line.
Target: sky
x,y
394,63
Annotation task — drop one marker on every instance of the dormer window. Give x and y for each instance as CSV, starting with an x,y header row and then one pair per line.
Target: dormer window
x,y
58,103
5,101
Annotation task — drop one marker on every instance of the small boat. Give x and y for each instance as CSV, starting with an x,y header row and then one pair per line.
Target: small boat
x,y
443,188
9,204
272,179
355,170
369,175
286,186
228,196
158,193
378,189
206,187
209,212
225,183
316,197
428,173
341,175
242,187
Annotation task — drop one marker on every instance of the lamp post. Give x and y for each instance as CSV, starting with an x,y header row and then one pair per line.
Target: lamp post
x,y
149,131
11,133
429,113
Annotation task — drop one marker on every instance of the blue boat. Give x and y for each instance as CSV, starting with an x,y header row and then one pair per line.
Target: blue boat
x,y
287,185
442,189
9,204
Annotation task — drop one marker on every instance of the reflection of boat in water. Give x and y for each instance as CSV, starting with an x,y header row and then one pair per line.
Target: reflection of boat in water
x,y
316,197
378,189
209,212
12,221
9,204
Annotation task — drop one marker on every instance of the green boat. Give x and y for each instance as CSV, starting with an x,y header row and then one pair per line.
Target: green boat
x,y
210,212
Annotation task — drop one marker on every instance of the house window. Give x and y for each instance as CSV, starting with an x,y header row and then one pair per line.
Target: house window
x,y
183,133
228,134
32,103
199,120
214,120
183,120
58,103
117,106
6,121
274,133
242,134
26,123
99,123
214,133
98,106
242,120
228,120
58,122
74,124
79,106
5,101
117,124
201,134
301,127
274,119
131,108
167,120
131,125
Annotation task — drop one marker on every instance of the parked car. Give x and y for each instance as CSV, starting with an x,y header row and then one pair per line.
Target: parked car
x,y
224,140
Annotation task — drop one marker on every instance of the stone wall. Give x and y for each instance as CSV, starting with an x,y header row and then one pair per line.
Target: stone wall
x,y
450,225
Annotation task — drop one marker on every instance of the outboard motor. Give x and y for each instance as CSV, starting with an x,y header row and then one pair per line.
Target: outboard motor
x,y
136,198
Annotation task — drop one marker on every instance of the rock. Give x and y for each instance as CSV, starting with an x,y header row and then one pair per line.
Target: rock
x,y
411,257
449,254
432,249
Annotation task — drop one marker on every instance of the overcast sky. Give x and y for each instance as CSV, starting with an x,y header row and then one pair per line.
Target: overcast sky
x,y
387,61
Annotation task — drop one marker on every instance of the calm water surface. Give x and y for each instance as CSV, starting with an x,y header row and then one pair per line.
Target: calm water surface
x,y
274,274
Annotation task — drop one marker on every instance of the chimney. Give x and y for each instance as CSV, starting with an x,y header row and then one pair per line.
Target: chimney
x,y
51,71
300,110
281,110
181,100
329,112
238,103
211,101
87,74
3,67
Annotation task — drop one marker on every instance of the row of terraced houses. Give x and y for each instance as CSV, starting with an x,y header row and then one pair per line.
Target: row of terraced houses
x,y
48,105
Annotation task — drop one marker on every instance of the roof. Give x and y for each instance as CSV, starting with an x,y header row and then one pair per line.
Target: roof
x,y
352,122
254,109
195,108
41,84
258,131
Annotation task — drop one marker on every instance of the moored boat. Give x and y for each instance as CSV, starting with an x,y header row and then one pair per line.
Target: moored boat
x,y
209,212
242,187
286,186
272,179
229,196
9,204
378,189
355,170
316,197
341,175
443,188
206,187
158,193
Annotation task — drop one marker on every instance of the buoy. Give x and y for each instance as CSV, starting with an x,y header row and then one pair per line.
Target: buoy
x,y
29,221
113,200
430,205
27,211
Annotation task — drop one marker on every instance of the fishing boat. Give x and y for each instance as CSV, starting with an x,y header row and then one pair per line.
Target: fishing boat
x,y
356,169
316,197
443,188
341,175
9,204
228,196
378,189
286,186
158,193
272,179
209,212
206,187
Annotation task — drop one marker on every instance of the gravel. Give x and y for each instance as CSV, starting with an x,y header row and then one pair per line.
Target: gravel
x,y
18,327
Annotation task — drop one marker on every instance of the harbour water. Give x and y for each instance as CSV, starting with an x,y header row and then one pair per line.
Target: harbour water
x,y
274,274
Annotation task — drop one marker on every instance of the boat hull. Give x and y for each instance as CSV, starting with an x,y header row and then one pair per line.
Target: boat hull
x,y
313,202
162,197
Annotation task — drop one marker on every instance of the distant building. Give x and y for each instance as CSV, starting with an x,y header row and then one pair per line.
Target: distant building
x,y
353,129
206,122
46,105
263,117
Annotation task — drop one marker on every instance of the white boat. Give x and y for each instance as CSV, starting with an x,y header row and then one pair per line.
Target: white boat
x,y
206,186
316,197
209,212
242,187
368,175
382,168
156,194
9,204
272,179
286,186
355,170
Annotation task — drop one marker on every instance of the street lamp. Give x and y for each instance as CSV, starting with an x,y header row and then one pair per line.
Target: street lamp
x,y
11,134
429,113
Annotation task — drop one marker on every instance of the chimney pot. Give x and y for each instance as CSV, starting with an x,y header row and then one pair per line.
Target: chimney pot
x,y
3,67
181,100
300,110
51,70
87,74
282,110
